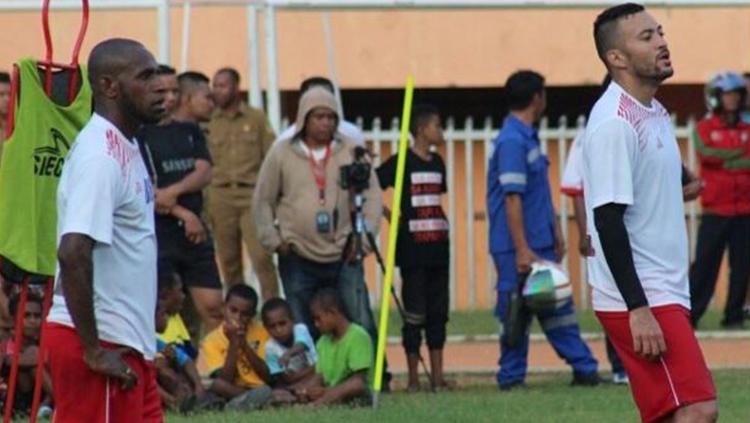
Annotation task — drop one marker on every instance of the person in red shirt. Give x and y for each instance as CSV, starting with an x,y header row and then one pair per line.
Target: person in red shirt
x,y
722,146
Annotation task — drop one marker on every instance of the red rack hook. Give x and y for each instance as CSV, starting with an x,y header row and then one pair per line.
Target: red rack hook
x,y
49,64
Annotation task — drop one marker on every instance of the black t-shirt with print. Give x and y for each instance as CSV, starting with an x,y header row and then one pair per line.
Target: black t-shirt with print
x,y
423,238
170,152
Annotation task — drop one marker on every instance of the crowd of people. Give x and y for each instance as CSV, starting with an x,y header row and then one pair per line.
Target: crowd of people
x,y
175,176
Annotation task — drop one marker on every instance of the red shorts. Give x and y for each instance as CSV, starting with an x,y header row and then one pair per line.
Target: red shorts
x,y
84,396
680,377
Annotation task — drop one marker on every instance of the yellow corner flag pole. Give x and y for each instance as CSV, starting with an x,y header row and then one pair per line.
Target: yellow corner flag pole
x,y
390,263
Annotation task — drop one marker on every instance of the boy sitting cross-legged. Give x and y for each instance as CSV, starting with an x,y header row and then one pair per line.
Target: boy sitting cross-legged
x,y
345,355
233,354
290,353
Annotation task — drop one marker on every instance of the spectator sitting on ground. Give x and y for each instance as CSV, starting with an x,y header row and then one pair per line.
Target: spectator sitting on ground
x,y
175,333
290,353
345,355
27,360
233,354
178,380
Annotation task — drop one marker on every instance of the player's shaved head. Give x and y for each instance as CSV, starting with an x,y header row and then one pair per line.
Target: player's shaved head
x,y
606,28
122,74
191,81
112,57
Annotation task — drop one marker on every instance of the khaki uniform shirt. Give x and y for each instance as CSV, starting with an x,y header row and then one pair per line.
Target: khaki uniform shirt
x,y
238,141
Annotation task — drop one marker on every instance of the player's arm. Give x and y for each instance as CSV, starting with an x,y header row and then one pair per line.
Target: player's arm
x,y
77,276
256,362
692,186
708,152
194,228
610,155
195,181
511,162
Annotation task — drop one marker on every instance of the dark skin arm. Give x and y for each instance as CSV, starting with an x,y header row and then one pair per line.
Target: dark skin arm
x,y
257,363
76,275
195,379
524,255
584,244
166,198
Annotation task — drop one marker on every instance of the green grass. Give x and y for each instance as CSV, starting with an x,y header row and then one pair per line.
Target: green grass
x,y
548,398
483,322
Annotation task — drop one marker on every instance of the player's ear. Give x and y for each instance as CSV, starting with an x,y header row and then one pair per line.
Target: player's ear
x,y
617,59
109,86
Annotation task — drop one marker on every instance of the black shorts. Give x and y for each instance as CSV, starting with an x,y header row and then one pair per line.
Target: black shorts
x,y
195,263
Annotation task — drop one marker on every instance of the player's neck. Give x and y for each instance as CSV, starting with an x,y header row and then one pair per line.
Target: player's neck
x,y
526,116
642,90
422,149
125,123
340,330
314,144
184,116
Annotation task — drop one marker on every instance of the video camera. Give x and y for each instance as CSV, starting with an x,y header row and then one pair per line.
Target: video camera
x,y
356,175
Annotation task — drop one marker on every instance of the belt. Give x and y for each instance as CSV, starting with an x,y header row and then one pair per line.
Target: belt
x,y
235,185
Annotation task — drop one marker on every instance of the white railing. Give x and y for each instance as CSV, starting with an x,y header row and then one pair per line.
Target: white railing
x,y
466,282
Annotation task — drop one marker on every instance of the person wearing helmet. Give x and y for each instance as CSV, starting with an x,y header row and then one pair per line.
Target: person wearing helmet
x,y
721,142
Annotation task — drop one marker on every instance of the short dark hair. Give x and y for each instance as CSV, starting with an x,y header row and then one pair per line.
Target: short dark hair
x,y
746,75
4,78
165,70
276,303
328,299
605,26
420,115
521,87
190,80
316,81
232,72
15,299
243,291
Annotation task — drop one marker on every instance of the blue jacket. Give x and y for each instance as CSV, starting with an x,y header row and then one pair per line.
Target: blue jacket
x,y
518,166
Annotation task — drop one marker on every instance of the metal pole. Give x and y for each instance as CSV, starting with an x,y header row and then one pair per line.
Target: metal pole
x,y
185,48
272,90
253,57
164,31
331,54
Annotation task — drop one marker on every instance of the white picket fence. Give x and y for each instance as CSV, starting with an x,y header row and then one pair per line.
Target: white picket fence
x,y
471,136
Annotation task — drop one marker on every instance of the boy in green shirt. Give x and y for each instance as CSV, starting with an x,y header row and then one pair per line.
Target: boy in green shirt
x,y
345,354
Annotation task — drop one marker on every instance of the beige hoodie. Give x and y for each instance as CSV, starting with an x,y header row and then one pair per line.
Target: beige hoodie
x,y
286,193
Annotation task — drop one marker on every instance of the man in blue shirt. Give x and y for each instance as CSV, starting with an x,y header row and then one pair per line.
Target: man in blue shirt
x,y
523,230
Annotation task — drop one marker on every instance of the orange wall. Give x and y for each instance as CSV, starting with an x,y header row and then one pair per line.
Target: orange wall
x,y
376,49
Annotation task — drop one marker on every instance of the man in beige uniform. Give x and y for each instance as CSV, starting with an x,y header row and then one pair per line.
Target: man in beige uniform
x,y
239,138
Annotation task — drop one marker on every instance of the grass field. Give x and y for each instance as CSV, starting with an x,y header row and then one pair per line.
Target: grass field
x,y
483,322
548,398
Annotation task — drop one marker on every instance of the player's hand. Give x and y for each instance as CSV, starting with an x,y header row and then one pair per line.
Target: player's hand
x,y
692,190
585,247
524,259
110,363
284,359
194,229
648,339
284,249
165,200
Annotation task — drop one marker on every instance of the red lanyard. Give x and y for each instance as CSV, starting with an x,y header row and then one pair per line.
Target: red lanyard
x,y
319,173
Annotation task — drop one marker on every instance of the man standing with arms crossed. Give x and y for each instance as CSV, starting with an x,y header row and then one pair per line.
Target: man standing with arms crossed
x,y
632,179
239,139
101,325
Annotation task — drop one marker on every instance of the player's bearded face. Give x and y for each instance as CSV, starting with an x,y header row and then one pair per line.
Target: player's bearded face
x,y
140,92
646,48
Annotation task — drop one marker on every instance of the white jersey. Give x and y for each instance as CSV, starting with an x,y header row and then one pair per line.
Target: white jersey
x,y
572,180
347,129
105,193
631,157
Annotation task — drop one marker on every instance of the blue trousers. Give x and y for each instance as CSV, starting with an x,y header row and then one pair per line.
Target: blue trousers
x,y
560,327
